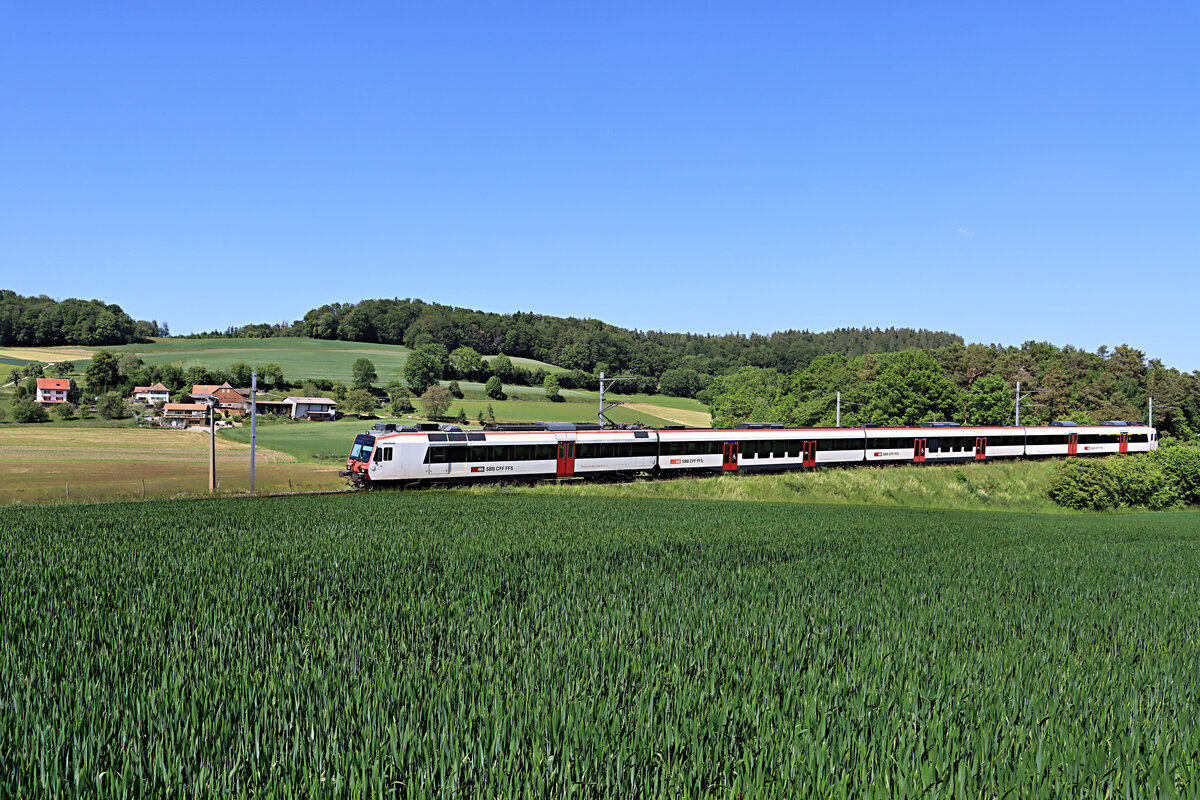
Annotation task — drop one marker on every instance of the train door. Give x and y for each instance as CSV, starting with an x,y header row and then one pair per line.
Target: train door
x,y
729,455
980,448
1124,442
1072,444
438,460
566,459
919,450
810,454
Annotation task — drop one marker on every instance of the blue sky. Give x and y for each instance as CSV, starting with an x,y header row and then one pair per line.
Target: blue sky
x,y
1006,171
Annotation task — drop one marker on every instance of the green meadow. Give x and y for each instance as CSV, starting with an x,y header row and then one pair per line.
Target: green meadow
x,y
299,357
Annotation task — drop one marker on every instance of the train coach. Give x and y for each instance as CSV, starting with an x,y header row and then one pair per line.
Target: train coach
x,y
401,455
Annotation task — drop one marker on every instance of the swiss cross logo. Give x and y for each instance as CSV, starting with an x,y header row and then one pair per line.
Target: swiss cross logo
x,y
476,469
676,460
878,454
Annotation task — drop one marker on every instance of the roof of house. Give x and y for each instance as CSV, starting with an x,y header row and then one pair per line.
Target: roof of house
x,y
229,395
54,383
209,388
312,401
158,387
185,407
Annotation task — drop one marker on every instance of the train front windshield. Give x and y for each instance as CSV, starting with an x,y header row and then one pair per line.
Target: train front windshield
x,y
363,444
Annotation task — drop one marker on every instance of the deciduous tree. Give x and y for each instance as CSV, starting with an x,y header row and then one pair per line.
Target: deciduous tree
x,y
436,401
364,373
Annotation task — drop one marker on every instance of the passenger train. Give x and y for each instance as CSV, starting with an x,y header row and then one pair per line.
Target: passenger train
x,y
399,455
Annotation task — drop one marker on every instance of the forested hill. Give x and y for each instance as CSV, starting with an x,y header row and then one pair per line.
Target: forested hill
x,y
44,322
591,345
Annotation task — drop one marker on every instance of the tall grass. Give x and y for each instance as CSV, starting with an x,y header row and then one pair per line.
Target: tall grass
x,y
449,645
1007,486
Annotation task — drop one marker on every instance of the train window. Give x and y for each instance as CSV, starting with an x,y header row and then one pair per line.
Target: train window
x,y
545,452
478,453
436,455
378,455
625,449
387,454
456,455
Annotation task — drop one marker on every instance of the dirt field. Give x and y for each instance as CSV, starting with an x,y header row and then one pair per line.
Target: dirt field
x,y
60,464
695,419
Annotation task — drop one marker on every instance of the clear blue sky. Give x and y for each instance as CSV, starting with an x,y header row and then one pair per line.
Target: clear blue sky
x,y
1006,171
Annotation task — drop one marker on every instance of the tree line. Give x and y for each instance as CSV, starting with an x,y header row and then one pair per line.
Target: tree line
x,y
973,384
592,346
45,322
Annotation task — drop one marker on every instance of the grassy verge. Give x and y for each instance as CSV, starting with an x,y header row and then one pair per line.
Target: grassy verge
x,y
1006,486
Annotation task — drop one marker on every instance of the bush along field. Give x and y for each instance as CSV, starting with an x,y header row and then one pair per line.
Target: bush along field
x,y
1165,478
443,644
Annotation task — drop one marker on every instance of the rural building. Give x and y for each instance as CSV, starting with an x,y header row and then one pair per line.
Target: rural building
x,y
312,407
52,391
227,399
182,415
150,394
275,407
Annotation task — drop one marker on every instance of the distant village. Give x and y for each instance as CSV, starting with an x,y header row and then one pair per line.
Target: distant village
x,y
193,409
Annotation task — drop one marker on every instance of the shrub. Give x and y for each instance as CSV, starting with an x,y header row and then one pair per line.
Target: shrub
x,y
1080,483
1181,463
550,384
1143,483
402,405
494,388
455,389
112,406
462,418
29,411
65,411
359,401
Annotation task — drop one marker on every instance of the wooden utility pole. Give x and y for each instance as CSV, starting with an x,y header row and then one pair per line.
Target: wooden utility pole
x,y
253,420
212,448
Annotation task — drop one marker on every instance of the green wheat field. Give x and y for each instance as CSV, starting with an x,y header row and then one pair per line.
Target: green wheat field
x,y
448,644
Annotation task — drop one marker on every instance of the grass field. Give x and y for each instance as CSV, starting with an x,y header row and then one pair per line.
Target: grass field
x,y
59,462
310,441
452,645
299,357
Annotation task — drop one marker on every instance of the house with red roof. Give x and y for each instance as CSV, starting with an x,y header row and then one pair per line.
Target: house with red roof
x,y
52,391
150,394
183,415
227,399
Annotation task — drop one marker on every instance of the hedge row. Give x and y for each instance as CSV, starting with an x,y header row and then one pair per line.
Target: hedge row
x,y
1166,478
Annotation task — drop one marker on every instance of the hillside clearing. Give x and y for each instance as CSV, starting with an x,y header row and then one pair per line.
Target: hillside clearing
x,y
693,419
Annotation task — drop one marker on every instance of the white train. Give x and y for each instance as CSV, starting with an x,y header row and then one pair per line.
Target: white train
x,y
399,455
